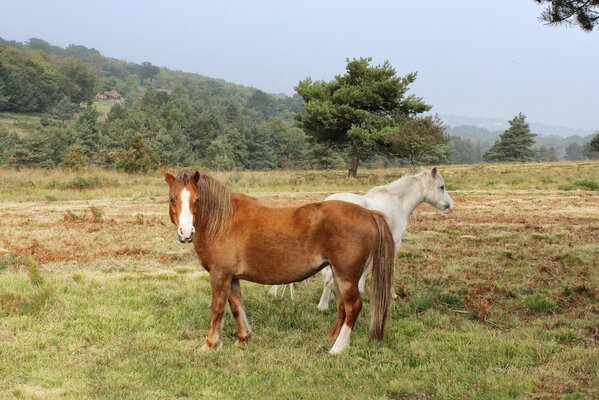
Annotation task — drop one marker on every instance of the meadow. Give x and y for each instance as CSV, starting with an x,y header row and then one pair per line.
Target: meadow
x,y
498,300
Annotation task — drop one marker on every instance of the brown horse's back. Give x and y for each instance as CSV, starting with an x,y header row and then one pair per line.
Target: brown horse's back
x,y
281,245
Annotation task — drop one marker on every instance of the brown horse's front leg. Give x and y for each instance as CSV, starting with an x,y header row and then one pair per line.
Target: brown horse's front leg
x,y
220,284
244,332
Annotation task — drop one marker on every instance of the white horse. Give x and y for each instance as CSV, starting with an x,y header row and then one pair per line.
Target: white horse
x,y
396,200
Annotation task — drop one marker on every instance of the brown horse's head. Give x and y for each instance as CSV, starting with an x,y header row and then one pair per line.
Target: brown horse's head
x,y
184,202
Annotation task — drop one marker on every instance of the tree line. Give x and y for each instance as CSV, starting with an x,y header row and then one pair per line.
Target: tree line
x,y
363,116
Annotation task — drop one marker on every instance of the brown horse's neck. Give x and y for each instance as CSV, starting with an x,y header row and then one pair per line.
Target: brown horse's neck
x,y
215,209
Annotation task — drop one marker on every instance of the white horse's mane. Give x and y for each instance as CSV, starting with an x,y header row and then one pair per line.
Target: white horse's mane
x,y
398,185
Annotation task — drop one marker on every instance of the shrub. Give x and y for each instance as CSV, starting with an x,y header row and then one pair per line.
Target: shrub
x,y
587,183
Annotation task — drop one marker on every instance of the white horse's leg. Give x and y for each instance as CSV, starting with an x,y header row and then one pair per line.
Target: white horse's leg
x,y
362,281
327,291
274,290
292,291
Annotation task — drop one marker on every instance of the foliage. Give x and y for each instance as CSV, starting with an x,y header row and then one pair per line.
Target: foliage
x,y
464,151
64,110
139,157
515,144
545,154
574,151
416,138
591,149
584,13
74,158
353,110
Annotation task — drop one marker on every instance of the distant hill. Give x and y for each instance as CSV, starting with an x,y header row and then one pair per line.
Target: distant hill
x,y
496,124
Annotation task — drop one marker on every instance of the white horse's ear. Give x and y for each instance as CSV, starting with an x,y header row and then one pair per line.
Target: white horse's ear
x,y
434,172
169,178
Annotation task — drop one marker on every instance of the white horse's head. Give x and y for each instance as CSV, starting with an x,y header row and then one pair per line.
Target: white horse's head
x,y
435,193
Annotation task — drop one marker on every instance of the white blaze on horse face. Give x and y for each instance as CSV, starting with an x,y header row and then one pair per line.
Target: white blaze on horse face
x,y
342,341
185,227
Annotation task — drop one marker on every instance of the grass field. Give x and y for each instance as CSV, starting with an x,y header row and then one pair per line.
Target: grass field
x,y
498,300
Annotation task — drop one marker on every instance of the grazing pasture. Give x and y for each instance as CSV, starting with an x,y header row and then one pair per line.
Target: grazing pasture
x,y
499,299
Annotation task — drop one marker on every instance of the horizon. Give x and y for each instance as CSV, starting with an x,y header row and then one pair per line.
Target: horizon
x,y
468,64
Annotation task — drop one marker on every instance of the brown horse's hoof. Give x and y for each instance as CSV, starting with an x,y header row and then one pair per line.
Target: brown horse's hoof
x,y
208,347
243,342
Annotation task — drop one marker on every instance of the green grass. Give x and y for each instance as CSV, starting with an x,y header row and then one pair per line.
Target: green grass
x,y
20,123
498,300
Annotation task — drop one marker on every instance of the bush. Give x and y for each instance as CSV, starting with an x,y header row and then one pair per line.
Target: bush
x,y
587,183
82,183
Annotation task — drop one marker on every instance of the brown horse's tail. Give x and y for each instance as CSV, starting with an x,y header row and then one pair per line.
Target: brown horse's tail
x,y
383,262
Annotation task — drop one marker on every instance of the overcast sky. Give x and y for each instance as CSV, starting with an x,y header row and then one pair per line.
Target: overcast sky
x,y
484,58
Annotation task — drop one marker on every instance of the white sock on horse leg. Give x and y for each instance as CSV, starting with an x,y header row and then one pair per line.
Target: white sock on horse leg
x,y
342,341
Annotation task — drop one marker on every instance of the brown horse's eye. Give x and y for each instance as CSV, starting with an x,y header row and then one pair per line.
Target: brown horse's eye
x,y
173,201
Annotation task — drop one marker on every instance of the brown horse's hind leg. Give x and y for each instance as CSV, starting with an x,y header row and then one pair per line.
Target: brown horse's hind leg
x,y
352,304
244,333
340,314
220,285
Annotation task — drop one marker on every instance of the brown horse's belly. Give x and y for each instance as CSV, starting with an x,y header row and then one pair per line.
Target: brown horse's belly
x,y
281,271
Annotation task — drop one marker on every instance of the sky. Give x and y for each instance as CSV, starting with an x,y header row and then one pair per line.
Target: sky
x,y
484,58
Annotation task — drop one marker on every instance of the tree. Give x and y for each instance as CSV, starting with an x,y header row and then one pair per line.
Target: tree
x,y
76,81
574,151
139,157
416,138
591,149
584,13
64,110
544,153
515,144
464,151
148,71
87,132
353,110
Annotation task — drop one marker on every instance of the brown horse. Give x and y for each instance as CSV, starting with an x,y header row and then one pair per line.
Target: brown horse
x,y
236,237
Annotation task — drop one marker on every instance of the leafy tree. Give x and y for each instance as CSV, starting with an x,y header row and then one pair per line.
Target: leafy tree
x,y
148,71
263,103
219,154
75,158
417,138
574,151
139,157
584,13
464,151
546,154
591,149
515,144
353,110
76,81
29,80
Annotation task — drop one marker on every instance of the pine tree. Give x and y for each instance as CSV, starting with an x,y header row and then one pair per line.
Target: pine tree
x,y
515,144
591,148
354,110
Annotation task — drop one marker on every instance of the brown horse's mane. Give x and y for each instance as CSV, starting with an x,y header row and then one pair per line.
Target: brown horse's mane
x,y
216,205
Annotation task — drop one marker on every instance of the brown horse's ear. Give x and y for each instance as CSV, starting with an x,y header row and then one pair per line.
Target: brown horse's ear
x,y
434,172
169,178
196,177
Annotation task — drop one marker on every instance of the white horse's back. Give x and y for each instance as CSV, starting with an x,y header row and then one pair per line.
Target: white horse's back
x,y
349,197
